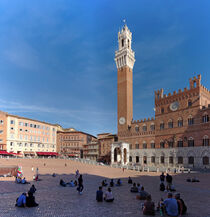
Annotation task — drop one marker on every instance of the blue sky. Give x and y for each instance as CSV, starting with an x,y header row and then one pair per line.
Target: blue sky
x,y
57,56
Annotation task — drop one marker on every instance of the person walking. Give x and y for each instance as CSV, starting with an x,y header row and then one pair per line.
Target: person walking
x,y
80,184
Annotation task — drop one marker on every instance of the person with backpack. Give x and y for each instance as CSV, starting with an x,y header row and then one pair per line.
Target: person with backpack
x,y
162,178
182,208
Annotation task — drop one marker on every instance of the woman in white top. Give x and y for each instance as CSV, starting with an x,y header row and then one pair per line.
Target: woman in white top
x,y
108,196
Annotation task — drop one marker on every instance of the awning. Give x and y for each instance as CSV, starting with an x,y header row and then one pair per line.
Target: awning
x,y
16,154
71,155
47,153
5,153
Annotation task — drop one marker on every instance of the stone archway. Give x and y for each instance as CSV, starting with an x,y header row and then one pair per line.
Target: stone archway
x,y
120,153
117,155
125,155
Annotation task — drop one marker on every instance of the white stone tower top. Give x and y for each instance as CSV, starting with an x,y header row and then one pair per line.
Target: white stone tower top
x,y
124,56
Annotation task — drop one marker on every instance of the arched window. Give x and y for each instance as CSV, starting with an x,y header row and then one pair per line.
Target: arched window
x,y
180,122
144,145
190,120
189,103
152,127
144,128
190,142
152,144
145,159
128,43
180,160
190,160
180,143
137,128
161,125
205,141
122,42
170,144
162,144
170,124
137,146
130,159
137,159
153,159
205,160
171,160
162,159
205,118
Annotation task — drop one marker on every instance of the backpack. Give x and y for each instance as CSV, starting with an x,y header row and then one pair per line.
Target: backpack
x,y
184,206
162,187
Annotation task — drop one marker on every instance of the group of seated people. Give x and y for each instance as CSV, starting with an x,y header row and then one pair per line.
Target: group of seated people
x,y
135,188
192,180
70,184
111,184
20,180
167,188
25,200
108,196
170,206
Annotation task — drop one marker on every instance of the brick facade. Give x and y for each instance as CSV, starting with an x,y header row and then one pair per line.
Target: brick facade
x,y
105,141
180,125
70,142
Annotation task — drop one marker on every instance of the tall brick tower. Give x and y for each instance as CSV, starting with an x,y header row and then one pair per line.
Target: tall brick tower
x,y
124,58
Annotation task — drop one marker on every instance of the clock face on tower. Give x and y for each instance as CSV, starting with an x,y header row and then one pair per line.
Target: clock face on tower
x,y
122,120
174,106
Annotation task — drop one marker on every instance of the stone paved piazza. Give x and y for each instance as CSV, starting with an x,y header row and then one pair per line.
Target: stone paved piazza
x,y
55,200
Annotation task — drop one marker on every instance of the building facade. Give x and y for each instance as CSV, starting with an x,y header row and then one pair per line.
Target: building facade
x,y
91,150
26,136
105,141
179,133
70,142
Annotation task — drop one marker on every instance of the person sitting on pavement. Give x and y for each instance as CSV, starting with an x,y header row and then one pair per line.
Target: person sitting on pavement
x,y
134,189
182,208
149,206
171,205
142,194
99,194
30,200
139,187
21,200
18,180
104,183
23,181
119,182
195,179
130,180
71,183
62,183
111,183
172,188
109,196
32,189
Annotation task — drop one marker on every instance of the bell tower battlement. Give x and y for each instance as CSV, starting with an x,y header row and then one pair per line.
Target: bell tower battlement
x,y
125,59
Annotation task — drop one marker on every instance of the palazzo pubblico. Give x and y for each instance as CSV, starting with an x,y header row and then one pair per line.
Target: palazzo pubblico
x,y
177,136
